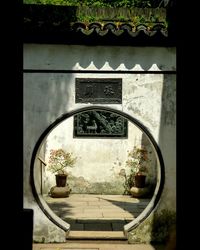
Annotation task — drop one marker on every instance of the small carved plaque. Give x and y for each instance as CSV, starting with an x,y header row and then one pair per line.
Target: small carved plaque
x,y
101,90
100,124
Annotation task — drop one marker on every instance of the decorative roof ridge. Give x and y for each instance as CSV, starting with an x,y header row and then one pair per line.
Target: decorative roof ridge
x,y
88,28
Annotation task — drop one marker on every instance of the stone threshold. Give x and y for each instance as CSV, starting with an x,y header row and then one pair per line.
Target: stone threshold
x,y
95,235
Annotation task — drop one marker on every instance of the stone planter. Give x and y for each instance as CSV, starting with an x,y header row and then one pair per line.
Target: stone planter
x,y
139,192
60,192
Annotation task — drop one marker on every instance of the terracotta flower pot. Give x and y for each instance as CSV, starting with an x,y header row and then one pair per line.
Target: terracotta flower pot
x,y
140,181
61,180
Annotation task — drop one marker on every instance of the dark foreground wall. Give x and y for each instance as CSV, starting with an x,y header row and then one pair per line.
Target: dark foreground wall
x,y
27,229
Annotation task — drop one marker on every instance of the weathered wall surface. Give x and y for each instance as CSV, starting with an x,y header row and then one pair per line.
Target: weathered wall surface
x,y
62,57
99,161
163,220
150,98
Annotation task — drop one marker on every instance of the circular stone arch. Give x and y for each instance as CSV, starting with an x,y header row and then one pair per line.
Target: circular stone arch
x,y
160,169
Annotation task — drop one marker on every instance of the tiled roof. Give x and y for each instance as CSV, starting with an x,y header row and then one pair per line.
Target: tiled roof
x,y
41,28
118,30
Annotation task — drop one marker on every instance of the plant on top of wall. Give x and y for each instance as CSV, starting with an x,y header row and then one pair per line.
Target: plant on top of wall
x,y
67,12
96,3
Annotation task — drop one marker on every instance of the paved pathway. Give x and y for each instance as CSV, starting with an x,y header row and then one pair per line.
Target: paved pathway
x,y
96,246
87,212
97,212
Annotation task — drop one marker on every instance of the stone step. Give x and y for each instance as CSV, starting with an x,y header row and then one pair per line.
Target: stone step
x,y
97,225
98,220
95,235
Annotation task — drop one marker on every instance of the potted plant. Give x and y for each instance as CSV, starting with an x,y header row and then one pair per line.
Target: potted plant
x,y
59,161
138,163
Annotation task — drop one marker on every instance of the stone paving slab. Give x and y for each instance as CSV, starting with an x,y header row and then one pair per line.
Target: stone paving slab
x,y
99,220
78,203
92,203
77,226
111,208
83,210
69,248
118,226
108,206
97,246
118,214
100,235
98,227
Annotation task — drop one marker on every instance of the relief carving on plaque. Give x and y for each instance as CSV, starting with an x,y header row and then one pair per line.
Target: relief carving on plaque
x,y
100,124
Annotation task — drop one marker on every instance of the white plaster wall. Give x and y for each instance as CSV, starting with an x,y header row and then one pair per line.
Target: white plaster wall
x,y
49,95
53,94
98,160
62,57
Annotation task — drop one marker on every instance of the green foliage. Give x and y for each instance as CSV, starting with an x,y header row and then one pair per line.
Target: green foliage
x,y
95,3
163,224
132,11
138,20
138,160
59,160
138,164
154,229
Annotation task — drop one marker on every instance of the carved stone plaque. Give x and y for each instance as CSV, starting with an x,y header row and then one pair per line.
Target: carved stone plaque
x,y
98,90
100,124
